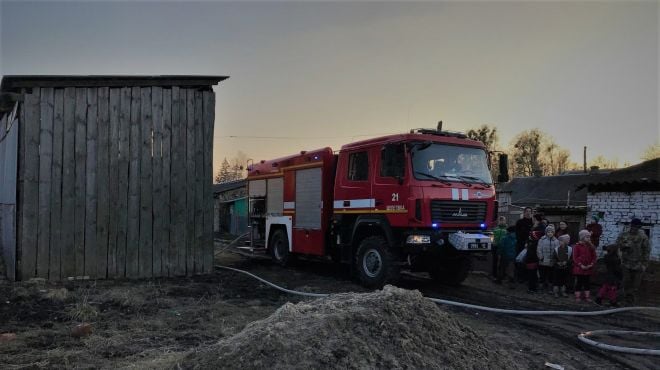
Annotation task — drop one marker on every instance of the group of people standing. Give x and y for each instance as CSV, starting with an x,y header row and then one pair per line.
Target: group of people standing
x,y
545,258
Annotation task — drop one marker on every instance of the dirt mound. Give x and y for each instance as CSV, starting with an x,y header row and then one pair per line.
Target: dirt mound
x,y
392,328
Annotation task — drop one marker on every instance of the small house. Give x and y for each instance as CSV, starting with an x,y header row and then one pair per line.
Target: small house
x,y
106,176
621,195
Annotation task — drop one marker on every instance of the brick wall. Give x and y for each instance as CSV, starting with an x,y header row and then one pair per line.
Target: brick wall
x,y
620,208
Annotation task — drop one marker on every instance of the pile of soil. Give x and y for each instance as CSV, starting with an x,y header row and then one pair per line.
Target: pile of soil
x,y
392,328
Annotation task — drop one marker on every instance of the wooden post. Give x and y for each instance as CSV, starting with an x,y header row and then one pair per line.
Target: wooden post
x,y
102,184
45,180
133,234
30,204
56,222
68,252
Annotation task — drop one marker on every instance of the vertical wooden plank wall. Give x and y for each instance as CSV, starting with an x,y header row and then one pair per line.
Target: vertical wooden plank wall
x,y
56,226
102,185
133,233
80,156
145,256
115,182
178,166
30,187
68,252
208,120
91,167
123,158
45,184
157,180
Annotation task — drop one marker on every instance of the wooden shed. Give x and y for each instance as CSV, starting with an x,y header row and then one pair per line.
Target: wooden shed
x,y
106,176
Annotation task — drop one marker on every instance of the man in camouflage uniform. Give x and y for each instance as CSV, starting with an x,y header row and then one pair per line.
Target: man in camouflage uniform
x,y
635,253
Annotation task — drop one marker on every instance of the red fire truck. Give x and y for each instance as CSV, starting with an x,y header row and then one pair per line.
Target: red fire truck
x,y
421,201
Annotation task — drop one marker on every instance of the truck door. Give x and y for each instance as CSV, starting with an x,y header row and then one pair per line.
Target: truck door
x,y
390,187
353,195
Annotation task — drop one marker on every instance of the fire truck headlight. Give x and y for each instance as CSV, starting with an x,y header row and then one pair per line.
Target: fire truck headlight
x,y
418,239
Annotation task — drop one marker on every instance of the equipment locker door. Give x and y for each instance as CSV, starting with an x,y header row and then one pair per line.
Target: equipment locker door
x,y
307,233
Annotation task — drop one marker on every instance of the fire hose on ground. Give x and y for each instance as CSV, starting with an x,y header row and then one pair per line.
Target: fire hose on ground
x,y
584,337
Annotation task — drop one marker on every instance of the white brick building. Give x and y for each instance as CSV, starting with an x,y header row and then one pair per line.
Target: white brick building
x,y
622,195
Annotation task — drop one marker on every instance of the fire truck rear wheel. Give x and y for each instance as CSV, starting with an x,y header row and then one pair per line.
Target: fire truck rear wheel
x,y
375,263
279,248
452,273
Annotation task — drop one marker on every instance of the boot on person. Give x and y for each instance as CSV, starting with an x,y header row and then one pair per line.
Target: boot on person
x,y
578,296
555,290
587,295
563,292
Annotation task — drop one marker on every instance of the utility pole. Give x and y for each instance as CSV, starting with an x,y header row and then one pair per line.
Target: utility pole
x,y
585,159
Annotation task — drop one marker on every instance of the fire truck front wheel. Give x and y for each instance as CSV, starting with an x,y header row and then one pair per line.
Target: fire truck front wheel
x,y
375,263
279,248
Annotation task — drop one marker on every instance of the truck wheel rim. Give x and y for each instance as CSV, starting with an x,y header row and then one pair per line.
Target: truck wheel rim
x,y
278,249
372,263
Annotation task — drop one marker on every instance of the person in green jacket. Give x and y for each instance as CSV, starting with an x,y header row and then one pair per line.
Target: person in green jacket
x,y
506,252
635,253
498,234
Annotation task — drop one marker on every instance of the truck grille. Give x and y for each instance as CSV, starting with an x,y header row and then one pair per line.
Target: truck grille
x,y
457,211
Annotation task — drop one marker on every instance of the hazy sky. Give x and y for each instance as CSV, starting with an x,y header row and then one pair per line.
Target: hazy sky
x,y
325,74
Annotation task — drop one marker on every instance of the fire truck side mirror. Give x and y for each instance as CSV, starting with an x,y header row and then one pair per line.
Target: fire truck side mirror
x,y
504,168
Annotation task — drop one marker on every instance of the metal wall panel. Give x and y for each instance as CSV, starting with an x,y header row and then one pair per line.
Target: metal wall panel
x,y
257,188
274,201
308,198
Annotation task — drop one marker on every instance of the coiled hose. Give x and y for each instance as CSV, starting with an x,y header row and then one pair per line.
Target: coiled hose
x,y
584,337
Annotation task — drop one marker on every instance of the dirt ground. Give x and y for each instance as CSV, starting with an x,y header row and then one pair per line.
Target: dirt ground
x,y
170,323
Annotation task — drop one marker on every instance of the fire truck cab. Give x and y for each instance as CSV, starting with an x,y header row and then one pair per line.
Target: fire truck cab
x,y
421,201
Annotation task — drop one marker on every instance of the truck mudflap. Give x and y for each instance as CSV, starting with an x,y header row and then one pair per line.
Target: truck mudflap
x,y
470,242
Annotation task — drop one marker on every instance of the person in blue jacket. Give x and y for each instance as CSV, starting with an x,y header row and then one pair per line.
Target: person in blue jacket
x,y
506,252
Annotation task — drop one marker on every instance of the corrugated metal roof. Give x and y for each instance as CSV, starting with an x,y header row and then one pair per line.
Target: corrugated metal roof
x,y
645,174
549,190
226,186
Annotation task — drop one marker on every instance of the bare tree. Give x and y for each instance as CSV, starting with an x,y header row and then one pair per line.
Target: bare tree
x,y
602,162
652,152
224,175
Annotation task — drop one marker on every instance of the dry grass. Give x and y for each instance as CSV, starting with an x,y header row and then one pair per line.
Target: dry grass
x,y
82,310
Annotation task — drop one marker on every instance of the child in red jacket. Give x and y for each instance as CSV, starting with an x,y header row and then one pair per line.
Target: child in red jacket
x,y
584,259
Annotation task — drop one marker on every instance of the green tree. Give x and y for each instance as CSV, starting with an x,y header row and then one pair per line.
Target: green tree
x,y
486,134
489,137
526,151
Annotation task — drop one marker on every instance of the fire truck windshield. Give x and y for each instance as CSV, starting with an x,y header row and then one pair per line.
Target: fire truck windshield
x,y
435,162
